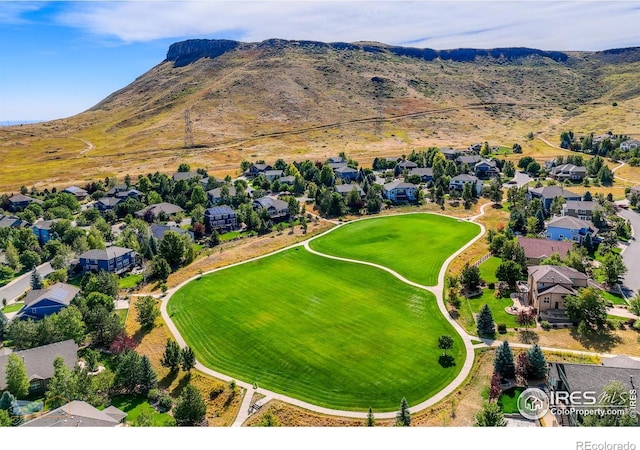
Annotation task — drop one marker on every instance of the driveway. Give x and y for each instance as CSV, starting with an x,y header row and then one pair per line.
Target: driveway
x,y
631,254
520,179
20,285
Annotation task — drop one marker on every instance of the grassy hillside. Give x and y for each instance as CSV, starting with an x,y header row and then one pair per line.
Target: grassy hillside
x,y
288,99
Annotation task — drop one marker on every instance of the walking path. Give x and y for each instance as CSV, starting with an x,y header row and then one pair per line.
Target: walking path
x,y
437,290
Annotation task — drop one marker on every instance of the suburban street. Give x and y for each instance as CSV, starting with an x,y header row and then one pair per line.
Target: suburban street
x,y
631,254
20,285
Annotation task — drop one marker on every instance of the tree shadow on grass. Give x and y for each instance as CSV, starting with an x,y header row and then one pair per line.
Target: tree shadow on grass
x,y
599,340
446,361
528,337
454,314
181,384
168,379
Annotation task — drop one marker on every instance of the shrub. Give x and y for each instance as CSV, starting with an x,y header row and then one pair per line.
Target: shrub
x,y
217,389
621,325
153,395
491,285
165,402
636,325
502,328
611,324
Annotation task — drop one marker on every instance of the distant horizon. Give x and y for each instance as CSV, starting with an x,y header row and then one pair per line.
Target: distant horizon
x,y
63,57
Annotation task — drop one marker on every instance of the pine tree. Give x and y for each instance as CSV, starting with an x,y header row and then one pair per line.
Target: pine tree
x,y
36,280
537,362
188,359
503,363
190,409
148,379
403,418
6,401
171,356
371,420
486,325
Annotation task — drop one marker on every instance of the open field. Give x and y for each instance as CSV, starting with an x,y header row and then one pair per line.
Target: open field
x,y
414,245
335,334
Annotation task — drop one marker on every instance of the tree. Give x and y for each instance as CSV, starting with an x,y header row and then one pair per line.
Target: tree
x,y
509,170
171,357
103,282
371,420
36,280
6,401
5,419
172,248
453,298
148,379
445,343
522,368
62,386
403,418
503,362
486,326
526,318
613,267
490,416
128,373
509,272
524,162
188,359
16,376
198,196
494,388
634,304
587,306
533,169
537,362
160,268
147,311
29,259
605,175
190,409
617,398
70,325
470,278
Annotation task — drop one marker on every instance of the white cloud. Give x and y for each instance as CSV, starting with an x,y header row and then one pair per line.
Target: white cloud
x,y
12,13
541,24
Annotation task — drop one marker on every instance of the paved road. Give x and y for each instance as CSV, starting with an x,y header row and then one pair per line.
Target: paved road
x,y
631,254
21,284
520,179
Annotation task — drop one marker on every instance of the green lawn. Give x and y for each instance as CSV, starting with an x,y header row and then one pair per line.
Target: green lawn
x,y
134,405
130,281
13,307
496,305
616,299
122,314
488,269
508,400
414,245
334,334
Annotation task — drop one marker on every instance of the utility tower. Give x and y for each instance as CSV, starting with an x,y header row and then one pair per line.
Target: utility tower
x,y
188,135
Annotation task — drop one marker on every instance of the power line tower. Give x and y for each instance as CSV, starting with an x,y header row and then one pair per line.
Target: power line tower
x,y
188,134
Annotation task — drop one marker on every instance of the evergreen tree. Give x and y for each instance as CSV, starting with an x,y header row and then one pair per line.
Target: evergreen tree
x,y
5,419
36,280
6,401
148,378
188,359
503,362
371,420
16,376
190,409
62,386
470,278
147,311
129,371
403,418
172,356
486,325
537,362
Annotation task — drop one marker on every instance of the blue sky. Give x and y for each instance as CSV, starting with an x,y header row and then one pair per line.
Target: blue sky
x,y
61,58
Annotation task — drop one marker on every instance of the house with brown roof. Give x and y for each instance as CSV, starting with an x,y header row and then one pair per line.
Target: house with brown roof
x,y
568,172
548,287
580,209
535,250
79,414
160,211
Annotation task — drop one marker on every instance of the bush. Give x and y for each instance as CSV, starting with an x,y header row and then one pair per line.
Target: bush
x,y
491,285
217,389
545,325
502,328
611,324
636,325
153,395
621,325
165,402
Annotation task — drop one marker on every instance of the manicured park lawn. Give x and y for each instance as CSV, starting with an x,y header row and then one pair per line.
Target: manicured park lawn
x,y
496,305
414,245
130,281
335,334
508,400
134,405
488,269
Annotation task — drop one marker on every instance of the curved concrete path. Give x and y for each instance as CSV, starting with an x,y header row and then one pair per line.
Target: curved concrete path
x,y
437,290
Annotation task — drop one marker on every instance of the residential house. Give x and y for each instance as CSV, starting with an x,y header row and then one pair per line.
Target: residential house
x,y
629,145
580,209
215,195
425,173
634,191
548,287
344,189
570,228
570,381
288,180
11,222
535,250
450,153
277,209
470,160
79,414
221,218
18,202
458,182
112,259
129,193
215,181
79,193
547,193
272,175
105,204
336,162
346,173
158,230
158,211
38,362
40,303
43,231
475,148
256,169
568,172
400,192
486,168
406,165
116,189
186,176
